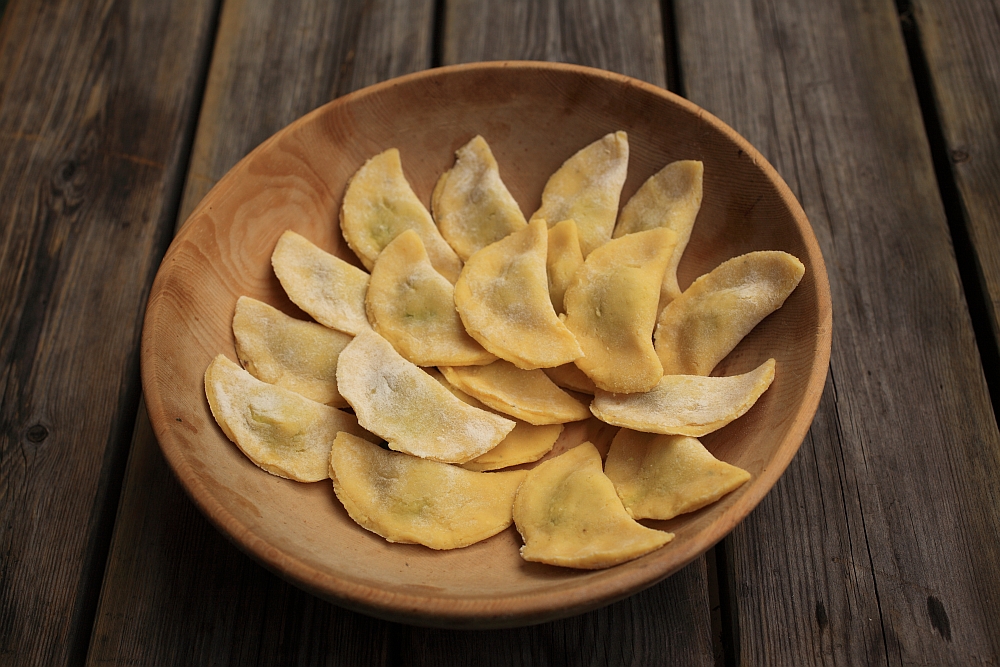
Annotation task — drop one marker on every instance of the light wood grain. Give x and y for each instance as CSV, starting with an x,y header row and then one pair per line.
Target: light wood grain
x,y
878,546
534,117
97,109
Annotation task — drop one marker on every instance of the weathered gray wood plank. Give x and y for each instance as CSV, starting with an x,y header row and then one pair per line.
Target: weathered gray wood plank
x,y
879,544
961,43
97,109
175,591
624,37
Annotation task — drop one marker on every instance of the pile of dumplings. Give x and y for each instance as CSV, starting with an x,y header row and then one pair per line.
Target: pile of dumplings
x,y
456,348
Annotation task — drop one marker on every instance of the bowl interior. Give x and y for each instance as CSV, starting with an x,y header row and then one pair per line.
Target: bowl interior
x,y
534,116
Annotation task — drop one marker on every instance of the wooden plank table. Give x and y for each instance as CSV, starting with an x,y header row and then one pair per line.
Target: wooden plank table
x,y
878,546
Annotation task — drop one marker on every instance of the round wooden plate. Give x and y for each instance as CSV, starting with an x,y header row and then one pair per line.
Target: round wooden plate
x,y
534,116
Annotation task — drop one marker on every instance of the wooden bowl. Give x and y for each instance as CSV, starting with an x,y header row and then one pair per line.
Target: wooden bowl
x,y
534,116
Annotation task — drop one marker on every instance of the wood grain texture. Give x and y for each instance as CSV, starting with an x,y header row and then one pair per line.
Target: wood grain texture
x,y
97,108
961,42
168,591
623,37
878,546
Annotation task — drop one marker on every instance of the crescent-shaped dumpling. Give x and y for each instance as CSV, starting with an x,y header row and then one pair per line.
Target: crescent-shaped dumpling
x,y
415,501
568,513
670,198
526,443
563,260
611,309
284,433
396,400
325,286
503,299
587,188
379,204
279,349
527,395
685,404
662,476
471,205
413,307
698,329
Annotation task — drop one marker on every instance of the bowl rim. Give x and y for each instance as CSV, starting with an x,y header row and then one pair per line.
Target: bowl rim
x,y
520,609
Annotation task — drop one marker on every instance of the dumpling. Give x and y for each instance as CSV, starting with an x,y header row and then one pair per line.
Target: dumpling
x,y
670,198
569,376
471,205
587,188
527,395
685,404
503,299
415,501
662,476
698,329
325,286
413,307
526,443
379,204
281,350
396,400
284,433
563,260
611,309
568,513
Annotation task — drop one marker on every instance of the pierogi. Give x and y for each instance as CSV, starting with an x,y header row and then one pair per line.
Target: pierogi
x,y
569,514
662,476
685,404
379,205
396,400
503,299
670,198
325,286
587,188
297,355
284,433
413,307
471,205
415,501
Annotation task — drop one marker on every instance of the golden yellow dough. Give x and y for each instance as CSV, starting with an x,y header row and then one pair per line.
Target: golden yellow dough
x,y
281,350
503,299
685,404
471,205
526,443
662,476
284,433
379,204
414,501
325,286
611,309
698,329
413,307
587,188
568,513
527,395
396,400
670,198
563,260
569,376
